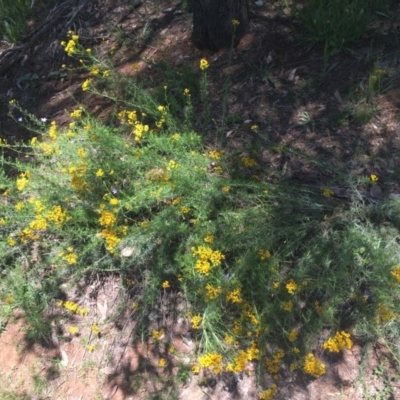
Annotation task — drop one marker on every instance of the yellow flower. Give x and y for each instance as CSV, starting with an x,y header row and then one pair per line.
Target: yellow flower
x,y
234,296
209,238
11,241
268,394
53,130
235,23
114,201
214,154
185,209
264,254
328,192
33,141
157,335
291,286
203,64
9,299
226,189
94,70
274,363
384,314
396,273
195,369
70,258
75,114
73,330
287,305
338,342
99,173
19,206
313,366
162,362
107,218
86,84
249,162
212,361
23,180
374,178
196,321
95,329
106,73
212,292
145,224
254,127
90,348
186,92
176,136
318,308
166,285
293,335
81,153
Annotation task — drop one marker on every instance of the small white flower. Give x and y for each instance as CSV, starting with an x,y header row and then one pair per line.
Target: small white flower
x,y
20,119
43,119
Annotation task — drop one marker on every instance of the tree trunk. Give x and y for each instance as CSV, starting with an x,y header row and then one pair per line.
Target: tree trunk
x,y
212,22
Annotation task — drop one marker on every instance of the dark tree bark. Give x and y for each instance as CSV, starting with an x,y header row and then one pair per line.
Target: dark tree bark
x,y
212,22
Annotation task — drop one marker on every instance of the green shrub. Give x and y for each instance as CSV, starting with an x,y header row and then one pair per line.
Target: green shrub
x,y
262,266
338,23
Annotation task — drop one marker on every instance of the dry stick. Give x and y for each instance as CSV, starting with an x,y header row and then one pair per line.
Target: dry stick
x,y
10,57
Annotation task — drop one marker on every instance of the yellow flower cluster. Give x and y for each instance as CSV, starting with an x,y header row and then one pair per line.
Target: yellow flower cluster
x,y
212,361
73,330
234,296
166,285
111,238
396,273
287,305
209,238
268,394
385,314
163,110
95,329
249,162
77,174
293,335
70,47
27,234
212,292
57,215
196,321
318,308
264,254
239,363
23,180
157,335
86,84
53,130
338,342
203,64
206,258
130,118
327,192
274,363
73,307
70,256
313,366
291,286
214,154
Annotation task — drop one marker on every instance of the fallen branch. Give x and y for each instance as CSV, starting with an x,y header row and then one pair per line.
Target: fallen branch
x,y
68,10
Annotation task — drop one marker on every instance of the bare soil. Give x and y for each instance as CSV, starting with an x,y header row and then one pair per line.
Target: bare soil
x,y
275,83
